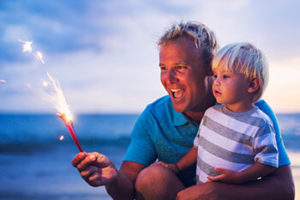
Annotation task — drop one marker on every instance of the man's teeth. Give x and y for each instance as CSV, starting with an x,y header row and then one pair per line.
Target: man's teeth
x,y
175,90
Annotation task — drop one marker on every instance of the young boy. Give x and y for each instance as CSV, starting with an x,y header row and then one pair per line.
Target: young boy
x,y
236,141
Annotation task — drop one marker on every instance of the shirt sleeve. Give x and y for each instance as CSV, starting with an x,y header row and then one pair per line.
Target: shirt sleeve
x,y
141,149
283,156
264,146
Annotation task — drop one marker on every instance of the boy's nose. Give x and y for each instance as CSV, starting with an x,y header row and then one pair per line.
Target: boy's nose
x,y
216,81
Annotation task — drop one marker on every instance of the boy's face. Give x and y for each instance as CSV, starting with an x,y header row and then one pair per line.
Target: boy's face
x,y
183,75
231,89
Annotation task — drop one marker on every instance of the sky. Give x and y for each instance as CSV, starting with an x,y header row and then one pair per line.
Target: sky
x,y
105,57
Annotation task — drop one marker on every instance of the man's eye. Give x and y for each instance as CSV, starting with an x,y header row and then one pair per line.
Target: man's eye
x,y
162,68
181,67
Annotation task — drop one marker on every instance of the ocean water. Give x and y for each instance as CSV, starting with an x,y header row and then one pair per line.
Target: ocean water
x,y
35,164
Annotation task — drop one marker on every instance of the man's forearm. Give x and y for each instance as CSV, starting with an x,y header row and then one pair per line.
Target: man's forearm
x,y
121,188
277,186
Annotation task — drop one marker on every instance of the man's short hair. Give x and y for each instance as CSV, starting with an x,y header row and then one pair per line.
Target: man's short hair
x,y
246,59
204,39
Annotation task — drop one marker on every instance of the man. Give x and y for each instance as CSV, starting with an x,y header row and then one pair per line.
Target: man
x,y
167,127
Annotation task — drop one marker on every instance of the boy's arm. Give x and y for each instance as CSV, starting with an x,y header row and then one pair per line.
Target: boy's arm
x,y
188,159
252,173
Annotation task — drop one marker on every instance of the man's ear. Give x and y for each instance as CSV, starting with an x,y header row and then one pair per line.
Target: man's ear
x,y
254,85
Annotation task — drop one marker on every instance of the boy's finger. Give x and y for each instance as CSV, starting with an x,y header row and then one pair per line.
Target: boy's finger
x,y
221,170
216,178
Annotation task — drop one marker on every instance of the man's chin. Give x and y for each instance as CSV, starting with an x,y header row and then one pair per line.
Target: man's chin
x,y
178,107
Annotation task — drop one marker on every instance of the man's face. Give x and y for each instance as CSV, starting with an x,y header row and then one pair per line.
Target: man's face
x,y
183,75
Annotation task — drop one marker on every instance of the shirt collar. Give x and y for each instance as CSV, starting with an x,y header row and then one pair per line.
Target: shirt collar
x,y
179,118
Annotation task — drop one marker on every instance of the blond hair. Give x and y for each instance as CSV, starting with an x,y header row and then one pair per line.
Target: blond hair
x,y
204,39
246,59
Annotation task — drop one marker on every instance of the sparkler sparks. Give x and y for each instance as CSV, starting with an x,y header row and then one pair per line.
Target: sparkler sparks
x,y
45,84
39,56
2,81
26,46
61,138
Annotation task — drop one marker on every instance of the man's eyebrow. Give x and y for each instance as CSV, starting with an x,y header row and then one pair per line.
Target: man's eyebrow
x,y
181,63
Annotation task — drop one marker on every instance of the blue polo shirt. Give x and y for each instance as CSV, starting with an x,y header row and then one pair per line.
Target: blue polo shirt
x,y
164,134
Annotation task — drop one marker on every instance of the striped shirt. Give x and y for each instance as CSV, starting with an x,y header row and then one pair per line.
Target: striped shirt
x,y
234,141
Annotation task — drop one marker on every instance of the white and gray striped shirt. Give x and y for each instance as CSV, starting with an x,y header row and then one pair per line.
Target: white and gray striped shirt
x,y
234,141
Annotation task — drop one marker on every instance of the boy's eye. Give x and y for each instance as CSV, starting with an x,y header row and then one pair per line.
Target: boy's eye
x,y
225,76
214,76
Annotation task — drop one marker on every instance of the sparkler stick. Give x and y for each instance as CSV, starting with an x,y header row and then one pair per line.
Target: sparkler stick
x,y
70,128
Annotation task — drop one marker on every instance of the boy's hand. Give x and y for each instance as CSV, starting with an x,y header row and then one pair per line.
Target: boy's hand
x,y
226,176
173,167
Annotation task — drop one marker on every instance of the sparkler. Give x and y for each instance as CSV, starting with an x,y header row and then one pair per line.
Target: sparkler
x,y
63,111
62,107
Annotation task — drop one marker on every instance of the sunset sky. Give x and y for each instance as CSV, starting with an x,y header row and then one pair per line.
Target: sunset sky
x,y
105,57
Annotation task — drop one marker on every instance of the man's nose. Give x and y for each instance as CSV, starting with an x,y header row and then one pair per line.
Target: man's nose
x,y
171,76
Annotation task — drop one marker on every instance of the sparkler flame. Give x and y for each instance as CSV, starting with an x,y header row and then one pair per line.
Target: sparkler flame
x,y
2,81
62,106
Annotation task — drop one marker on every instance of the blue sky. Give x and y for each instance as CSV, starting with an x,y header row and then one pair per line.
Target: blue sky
x,y
105,57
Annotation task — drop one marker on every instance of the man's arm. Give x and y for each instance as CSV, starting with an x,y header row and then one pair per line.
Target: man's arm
x,y
123,186
277,186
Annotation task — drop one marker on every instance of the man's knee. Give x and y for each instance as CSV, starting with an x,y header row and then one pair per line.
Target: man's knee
x,y
149,177
157,182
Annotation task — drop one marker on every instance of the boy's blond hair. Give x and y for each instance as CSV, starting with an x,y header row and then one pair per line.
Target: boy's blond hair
x,y
246,59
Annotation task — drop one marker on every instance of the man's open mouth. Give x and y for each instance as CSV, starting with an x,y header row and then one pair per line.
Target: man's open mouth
x,y
177,93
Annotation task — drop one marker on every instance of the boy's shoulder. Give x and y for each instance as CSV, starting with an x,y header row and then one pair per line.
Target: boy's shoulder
x,y
262,116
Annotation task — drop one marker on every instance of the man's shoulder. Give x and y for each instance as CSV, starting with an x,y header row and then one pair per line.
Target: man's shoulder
x,y
160,105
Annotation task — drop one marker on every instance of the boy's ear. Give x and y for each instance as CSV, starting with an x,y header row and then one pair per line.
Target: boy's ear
x,y
254,85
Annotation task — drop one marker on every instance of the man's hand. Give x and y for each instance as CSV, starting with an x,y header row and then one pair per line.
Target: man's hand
x,y
96,169
226,176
